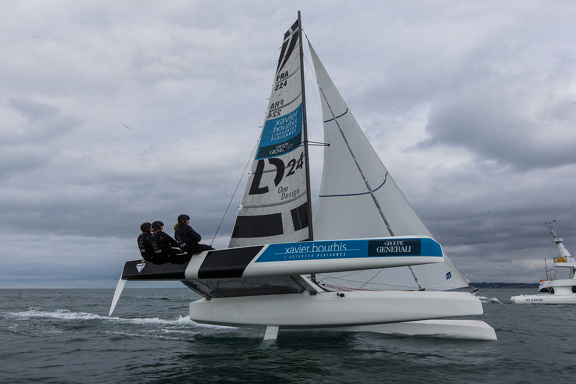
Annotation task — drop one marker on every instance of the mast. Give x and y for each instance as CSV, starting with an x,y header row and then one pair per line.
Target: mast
x,y
305,133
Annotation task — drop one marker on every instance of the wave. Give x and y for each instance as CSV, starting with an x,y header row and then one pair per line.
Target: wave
x,y
65,314
485,299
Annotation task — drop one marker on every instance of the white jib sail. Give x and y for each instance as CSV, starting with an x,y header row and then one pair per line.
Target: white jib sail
x,y
359,199
275,204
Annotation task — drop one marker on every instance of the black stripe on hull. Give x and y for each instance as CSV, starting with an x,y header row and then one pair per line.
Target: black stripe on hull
x,y
227,263
218,264
149,271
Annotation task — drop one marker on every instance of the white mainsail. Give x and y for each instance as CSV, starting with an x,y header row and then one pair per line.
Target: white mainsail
x,y
359,199
275,207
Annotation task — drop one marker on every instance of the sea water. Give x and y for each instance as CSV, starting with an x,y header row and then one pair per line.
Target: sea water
x,y
66,336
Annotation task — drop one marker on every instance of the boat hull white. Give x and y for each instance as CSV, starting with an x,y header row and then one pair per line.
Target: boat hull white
x,y
544,299
452,329
559,287
333,309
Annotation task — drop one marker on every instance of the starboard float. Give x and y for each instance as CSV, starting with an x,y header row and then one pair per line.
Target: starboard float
x,y
288,270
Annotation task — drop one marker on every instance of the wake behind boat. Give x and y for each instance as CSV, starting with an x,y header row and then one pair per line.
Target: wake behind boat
x,y
364,262
555,290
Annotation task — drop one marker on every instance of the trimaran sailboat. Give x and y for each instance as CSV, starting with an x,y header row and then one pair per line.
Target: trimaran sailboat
x,y
364,263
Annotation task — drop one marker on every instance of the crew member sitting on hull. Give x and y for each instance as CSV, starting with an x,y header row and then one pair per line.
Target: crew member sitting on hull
x,y
165,247
188,239
144,245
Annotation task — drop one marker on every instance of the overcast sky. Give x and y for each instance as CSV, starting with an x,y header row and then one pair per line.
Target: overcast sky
x,y
114,113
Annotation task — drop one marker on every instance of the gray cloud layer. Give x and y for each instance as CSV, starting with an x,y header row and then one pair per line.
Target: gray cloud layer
x,y
118,113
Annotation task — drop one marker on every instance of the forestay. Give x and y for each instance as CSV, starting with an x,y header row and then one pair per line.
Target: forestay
x,y
359,199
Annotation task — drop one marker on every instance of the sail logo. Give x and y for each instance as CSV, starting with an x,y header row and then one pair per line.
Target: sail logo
x,y
284,194
281,135
395,247
313,251
317,250
285,127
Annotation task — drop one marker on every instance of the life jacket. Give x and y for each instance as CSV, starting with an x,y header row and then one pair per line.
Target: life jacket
x,y
187,238
145,247
164,247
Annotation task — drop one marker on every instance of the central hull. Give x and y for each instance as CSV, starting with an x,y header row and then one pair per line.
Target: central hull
x,y
331,309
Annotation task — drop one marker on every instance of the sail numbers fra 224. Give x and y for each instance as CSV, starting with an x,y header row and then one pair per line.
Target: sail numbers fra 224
x,y
275,109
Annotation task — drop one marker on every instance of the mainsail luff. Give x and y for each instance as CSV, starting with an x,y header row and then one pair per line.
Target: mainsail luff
x,y
353,203
305,133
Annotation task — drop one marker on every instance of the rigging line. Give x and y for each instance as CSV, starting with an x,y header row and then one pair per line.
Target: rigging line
x,y
347,279
235,190
415,278
310,144
373,277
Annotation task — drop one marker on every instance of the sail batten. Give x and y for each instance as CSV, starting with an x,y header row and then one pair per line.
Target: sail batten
x,y
359,193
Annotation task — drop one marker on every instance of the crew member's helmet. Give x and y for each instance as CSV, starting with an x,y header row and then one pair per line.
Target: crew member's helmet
x,y
157,224
145,227
183,217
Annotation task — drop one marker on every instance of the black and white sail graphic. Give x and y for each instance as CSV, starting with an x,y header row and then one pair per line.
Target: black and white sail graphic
x,y
275,204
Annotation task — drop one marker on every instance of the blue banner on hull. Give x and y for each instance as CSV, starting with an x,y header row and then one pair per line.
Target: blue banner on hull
x,y
346,249
281,135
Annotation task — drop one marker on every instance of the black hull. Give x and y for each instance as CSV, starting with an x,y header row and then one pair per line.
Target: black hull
x,y
145,270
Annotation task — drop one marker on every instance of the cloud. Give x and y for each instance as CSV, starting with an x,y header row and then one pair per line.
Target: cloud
x,y
119,113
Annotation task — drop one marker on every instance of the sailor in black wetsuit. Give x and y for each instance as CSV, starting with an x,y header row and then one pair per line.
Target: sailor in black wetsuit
x,y
188,239
165,247
144,245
